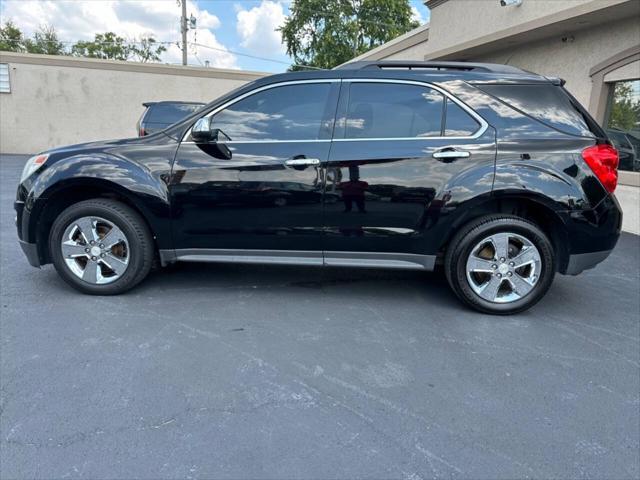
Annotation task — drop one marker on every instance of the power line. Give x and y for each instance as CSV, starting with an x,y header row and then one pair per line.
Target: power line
x,y
255,56
69,42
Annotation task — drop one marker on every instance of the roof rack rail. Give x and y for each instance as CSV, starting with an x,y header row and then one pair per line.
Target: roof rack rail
x,y
417,65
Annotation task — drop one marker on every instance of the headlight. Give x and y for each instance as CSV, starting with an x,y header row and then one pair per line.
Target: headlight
x,y
33,164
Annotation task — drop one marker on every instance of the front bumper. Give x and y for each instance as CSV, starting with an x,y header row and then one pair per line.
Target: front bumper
x,y
31,252
30,249
580,262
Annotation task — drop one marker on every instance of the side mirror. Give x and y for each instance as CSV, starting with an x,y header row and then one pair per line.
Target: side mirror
x,y
201,131
211,140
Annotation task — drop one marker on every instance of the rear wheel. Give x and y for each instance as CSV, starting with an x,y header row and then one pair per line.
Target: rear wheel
x,y
500,264
101,247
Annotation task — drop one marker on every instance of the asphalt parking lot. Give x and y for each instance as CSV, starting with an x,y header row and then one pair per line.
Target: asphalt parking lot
x,y
223,371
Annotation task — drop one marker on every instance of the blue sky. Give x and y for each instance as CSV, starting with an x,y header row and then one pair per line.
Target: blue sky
x,y
227,29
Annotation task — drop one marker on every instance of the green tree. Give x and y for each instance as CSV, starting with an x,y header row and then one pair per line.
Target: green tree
x,y
147,50
625,110
11,38
45,41
326,33
106,45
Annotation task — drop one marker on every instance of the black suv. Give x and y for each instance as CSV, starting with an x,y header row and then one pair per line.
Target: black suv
x,y
495,175
160,115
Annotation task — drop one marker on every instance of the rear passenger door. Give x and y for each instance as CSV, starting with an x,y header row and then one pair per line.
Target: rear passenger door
x,y
396,146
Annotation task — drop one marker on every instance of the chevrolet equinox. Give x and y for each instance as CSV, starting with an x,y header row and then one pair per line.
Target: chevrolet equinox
x,y
496,176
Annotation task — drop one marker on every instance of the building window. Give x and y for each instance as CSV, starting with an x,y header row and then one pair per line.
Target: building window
x,y
5,84
623,122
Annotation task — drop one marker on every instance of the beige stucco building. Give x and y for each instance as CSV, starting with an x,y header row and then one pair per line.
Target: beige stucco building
x,y
48,101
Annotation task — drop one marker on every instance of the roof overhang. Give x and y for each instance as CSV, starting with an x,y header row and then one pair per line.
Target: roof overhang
x,y
559,24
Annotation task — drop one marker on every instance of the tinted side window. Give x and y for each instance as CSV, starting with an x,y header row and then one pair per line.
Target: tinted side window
x,y
547,103
391,110
458,122
290,112
170,113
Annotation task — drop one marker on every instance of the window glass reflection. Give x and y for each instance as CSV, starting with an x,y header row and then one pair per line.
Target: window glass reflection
x,y
458,122
548,104
291,112
378,110
623,123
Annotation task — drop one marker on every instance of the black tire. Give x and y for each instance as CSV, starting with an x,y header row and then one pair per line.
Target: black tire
x,y
141,246
464,241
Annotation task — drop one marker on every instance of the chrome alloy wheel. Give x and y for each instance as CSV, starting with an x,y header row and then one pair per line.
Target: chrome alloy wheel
x,y
503,267
95,250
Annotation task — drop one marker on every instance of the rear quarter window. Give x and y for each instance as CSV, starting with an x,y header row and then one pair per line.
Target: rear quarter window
x,y
548,104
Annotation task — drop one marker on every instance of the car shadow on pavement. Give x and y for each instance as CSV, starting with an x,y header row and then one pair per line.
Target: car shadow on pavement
x,y
571,297
313,280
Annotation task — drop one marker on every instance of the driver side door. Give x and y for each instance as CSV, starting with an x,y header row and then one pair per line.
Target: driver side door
x,y
263,198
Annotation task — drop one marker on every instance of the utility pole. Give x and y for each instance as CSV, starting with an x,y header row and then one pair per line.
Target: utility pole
x,y
183,29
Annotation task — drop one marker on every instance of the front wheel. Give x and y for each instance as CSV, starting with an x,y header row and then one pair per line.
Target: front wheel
x,y
500,264
101,247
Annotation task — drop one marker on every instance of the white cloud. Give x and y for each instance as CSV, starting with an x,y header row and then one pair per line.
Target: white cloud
x,y
416,15
217,54
81,19
257,28
206,20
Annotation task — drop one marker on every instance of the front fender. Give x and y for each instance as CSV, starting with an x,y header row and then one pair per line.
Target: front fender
x,y
140,186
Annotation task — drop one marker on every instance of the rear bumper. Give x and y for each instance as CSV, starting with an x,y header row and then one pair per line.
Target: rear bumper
x,y
592,235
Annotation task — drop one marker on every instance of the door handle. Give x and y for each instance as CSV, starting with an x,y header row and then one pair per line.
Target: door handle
x,y
450,154
301,162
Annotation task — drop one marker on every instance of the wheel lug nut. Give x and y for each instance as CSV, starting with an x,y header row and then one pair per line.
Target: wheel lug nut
x,y
499,275
509,274
502,259
494,266
102,245
102,255
86,250
511,264
93,258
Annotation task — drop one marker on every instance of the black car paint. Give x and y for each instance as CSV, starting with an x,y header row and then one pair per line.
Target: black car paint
x,y
139,169
412,203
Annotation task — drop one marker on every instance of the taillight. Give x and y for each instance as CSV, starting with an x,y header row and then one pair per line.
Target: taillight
x,y
142,133
603,160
